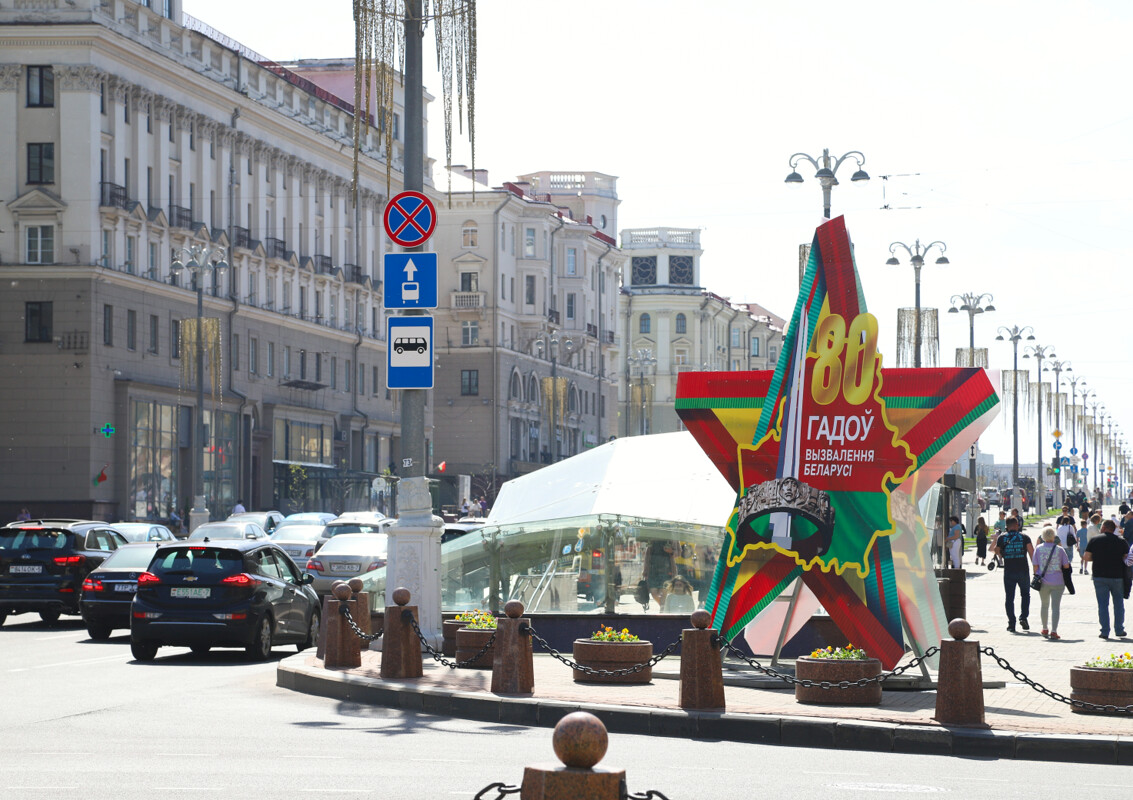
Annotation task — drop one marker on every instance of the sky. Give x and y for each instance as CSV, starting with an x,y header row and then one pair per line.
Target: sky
x,y
1002,126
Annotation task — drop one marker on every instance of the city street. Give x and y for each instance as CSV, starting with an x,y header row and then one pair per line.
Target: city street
x,y
82,717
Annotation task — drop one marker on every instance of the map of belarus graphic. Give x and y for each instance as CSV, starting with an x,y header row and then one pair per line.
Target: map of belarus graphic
x,y
829,480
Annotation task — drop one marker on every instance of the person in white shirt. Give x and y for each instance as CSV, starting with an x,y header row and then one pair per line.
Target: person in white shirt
x,y
239,507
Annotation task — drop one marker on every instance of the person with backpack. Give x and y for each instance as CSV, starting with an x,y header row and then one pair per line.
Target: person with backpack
x,y
1016,550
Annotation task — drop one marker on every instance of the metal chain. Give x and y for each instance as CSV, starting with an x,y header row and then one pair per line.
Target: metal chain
x,y
502,790
365,637
603,673
649,795
437,656
806,683
1038,687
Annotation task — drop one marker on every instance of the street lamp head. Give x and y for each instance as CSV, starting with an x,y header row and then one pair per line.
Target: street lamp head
x,y
1031,338
989,308
176,267
860,175
943,260
825,172
1000,338
893,262
794,177
955,310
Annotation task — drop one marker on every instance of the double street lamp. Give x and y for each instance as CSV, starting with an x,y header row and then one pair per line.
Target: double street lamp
x,y
973,304
826,170
917,255
200,259
552,346
1039,352
1058,367
642,360
1015,334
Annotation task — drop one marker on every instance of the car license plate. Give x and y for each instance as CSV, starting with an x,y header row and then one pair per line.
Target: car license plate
x,y
190,591
294,551
25,569
344,567
126,587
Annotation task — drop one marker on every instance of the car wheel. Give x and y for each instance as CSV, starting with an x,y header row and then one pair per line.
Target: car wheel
x,y
312,632
143,651
260,648
50,617
100,633
200,649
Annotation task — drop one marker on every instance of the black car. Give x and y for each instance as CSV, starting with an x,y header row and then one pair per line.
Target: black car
x,y
230,593
109,589
43,564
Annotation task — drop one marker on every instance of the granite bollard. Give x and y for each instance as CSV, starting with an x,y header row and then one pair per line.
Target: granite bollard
x,y
960,683
580,741
702,671
343,647
401,649
513,670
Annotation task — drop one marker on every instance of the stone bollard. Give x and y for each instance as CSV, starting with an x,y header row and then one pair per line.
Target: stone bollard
x,y
580,741
513,671
702,669
343,647
960,683
363,616
401,649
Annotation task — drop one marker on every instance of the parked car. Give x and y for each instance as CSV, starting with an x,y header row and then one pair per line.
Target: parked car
x,y
345,557
298,541
144,532
240,529
991,495
355,523
109,589
306,518
43,564
454,530
231,593
268,520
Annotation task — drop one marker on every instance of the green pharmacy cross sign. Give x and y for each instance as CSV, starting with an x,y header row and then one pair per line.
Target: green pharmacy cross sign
x,y
107,430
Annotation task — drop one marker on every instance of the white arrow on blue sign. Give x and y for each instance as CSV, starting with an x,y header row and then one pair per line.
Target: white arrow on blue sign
x,y
1057,445
1073,451
409,280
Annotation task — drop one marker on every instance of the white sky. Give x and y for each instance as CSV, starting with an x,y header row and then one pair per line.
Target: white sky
x,y
1005,126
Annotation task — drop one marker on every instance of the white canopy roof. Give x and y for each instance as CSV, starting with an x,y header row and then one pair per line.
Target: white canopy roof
x,y
665,476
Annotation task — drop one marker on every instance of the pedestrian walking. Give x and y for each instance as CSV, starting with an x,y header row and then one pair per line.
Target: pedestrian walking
x,y
981,541
1126,523
1049,558
954,542
1016,550
1066,536
1083,539
1107,555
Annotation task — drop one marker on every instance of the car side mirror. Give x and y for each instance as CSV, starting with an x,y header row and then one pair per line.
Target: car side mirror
x,y
306,579
250,535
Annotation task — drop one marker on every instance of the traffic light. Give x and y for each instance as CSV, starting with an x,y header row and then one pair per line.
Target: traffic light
x,y
1055,466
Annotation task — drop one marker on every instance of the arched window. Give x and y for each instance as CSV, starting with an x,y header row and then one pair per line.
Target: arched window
x,y
682,325
572,403
643,324
532,389
515,391
469,234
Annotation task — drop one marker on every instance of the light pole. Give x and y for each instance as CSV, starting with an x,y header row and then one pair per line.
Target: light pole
x,y
552,349
1015,334
200,259
826,171
916,258
1094,407
1058,367
642,360
973,304
1039,352
1086,394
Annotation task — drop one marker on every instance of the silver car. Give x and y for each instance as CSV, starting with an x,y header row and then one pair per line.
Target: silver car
x,y
305,518
355,523
268,520
144,532
298,541
345,557
228,530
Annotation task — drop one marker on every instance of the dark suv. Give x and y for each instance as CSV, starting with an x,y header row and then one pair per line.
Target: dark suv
x,y
43,563
228,593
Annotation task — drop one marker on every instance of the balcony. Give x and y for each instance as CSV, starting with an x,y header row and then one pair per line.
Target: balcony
x,y
241,237
76,341
462,301
322,265
113,195
353,273
181,217
275,248
592,330
608,337
553,316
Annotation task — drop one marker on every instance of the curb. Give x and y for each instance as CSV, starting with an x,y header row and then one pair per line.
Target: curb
x,y
837,734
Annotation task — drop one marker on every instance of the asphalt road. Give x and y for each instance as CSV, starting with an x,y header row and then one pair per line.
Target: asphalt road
x,y
82,718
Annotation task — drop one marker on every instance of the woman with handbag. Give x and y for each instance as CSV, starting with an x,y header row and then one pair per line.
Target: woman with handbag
x,y
1049,559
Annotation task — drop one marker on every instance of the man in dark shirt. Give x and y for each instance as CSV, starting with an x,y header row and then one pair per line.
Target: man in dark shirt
x,y
1126,523
1107,552
1016,550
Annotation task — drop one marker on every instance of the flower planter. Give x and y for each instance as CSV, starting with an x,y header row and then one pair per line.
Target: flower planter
x,y
448,632
470,641
612,656
837,670
1101,686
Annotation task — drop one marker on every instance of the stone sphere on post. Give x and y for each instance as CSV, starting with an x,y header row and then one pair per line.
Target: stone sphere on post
x,y
356,585
701,619
342,592
580,740
401,596
513,609
959,629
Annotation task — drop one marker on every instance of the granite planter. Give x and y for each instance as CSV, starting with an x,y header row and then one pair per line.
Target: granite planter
x,y
448,636
470,641
836,670
1101,686
612,656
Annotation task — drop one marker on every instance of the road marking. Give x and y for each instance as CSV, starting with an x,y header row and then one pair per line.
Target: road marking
x,y
907,788
70,663
188,789
442,760
70,635
187,755
308,758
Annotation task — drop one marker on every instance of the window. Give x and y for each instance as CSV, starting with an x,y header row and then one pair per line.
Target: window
x,y
469,235
236,351
286,361
680,357
374,381
570,305
397,126
735,337
361,378
131,254
175,338
131,330
318,367
37,322
253,356
302,364
41,87
153,260
529,290
771,353
106,248
643,324
108,325
41,162
469,381
469,281
334,372
755,346
153,333
572,261
643,270
469,333
40,241
529,243
682,324
346,376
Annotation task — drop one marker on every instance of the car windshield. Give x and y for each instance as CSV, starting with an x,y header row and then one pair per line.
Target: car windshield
x,y
197,561
32,539
298,533
133,531
128,557
218,530
352,527
356,546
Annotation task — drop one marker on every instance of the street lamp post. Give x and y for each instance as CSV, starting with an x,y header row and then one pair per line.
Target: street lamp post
x,y
1039,352
1086,395
1058,367
916,258
552,349
1095,406
1015,334
973,304
200,259
642,360
826,171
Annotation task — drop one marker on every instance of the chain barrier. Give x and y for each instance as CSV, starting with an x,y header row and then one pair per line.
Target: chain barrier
x,y
723,643
602,673
649,795
502,790
1053,695
365,637
407,616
